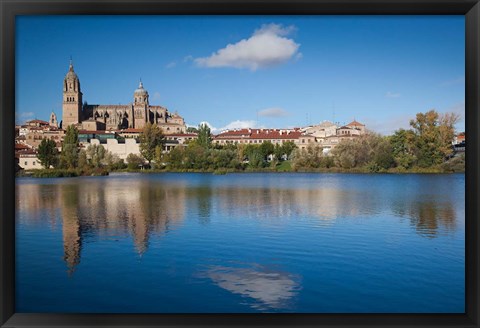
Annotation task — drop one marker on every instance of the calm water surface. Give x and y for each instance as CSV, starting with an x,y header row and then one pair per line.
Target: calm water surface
x,y
189,243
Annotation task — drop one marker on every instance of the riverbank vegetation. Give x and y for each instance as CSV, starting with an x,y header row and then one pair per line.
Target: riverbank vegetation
x,y
424,148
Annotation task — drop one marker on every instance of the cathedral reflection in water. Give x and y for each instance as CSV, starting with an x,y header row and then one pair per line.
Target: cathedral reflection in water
x,y
139,208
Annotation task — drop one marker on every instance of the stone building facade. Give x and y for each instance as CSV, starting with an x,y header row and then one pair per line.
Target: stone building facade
x,y
326,134
114,117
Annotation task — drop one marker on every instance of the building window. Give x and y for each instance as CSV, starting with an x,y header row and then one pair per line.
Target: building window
x,y
26,163
34,163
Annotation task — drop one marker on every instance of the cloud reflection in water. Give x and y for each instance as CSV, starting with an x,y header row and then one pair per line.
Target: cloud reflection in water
x,y
270,290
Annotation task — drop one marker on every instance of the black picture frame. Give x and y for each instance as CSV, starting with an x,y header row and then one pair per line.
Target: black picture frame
x,y
9,9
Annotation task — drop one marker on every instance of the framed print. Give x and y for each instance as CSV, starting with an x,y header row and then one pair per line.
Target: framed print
x,y
216,163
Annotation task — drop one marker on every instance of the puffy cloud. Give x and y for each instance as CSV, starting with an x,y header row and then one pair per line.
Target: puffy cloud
x,y
263,287
238,124
273,112
268,46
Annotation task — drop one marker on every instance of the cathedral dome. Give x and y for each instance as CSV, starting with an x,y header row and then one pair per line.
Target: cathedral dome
x,y
71,75
141,91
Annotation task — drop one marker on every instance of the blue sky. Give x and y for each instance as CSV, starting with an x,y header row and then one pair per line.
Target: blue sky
x,y
249,71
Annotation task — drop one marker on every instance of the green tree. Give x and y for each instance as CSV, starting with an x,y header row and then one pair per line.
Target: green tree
x,y
96,154
159,157
150,138
255,156
192,129
69,155
433,136
383,156
308,158
175,158
196,156
134,161
267,149
403,148
47,153
204,138
82,159
361,151
287,148
113,162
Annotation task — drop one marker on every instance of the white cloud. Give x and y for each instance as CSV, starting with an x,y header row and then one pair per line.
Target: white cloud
x,y
268,46
171,64
21,118
273,112
267,288
392,95
238,124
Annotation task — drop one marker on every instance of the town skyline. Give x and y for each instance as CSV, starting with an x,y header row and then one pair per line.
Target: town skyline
x,y
228,79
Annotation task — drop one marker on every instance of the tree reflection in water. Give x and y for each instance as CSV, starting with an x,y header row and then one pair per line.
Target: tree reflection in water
x,y
113,207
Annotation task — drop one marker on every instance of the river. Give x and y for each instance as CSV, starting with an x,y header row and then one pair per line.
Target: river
x,y
239,243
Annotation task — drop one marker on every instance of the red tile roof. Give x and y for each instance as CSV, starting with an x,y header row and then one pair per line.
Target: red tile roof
x,y
21,147
38,121
355,123
182,135
131,130
262,134
27,152
93,132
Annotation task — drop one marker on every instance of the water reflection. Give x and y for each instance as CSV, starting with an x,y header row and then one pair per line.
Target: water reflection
x,y
71,228
102,210
114,207
427,216
265,288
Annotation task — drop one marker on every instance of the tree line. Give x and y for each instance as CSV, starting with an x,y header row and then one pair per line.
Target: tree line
x,y
427,145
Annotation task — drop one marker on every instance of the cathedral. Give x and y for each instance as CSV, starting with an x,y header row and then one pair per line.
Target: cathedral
x,y
114,117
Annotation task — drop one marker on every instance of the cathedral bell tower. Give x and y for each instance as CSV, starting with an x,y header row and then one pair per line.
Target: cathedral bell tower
x,y
72,99
140,107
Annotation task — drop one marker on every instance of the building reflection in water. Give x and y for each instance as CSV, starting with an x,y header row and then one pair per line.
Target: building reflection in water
x,y
427,215
111,208
72,230
105,210
264,288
